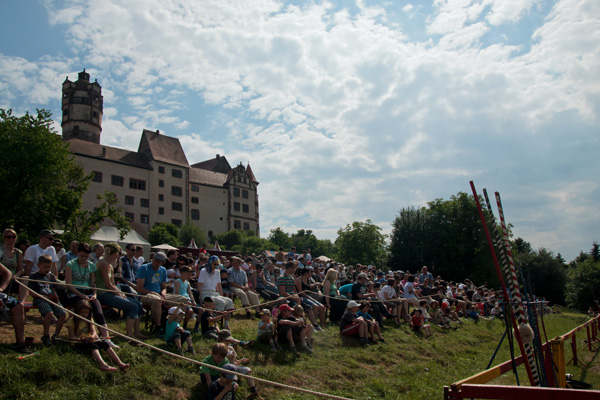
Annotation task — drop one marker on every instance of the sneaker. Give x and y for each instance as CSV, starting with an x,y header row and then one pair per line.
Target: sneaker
x,y
248,315
22,348
46,341
246,343
111,344
191,351
274,349
278,347
180,351
293,348
318,328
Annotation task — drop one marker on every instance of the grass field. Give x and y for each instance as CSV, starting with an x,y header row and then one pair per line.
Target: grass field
x,y
407,366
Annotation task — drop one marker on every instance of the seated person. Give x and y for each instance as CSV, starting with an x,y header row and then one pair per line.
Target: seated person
x,y
417,323
224,387
353,325
373,326
175,334
16,310
291,330
226,338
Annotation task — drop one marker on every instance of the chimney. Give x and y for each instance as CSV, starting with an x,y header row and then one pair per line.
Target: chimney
x,y
104,152
218,156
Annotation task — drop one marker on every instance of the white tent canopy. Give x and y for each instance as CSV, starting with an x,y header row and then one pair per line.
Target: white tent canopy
x,y
164,246
107,234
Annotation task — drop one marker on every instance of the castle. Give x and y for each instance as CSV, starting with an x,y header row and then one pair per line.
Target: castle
x,y
156,183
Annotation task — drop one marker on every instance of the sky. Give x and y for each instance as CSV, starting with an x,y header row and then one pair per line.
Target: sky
x,y
346,111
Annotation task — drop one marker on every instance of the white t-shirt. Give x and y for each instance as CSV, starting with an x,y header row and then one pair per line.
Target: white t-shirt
x,y
60,255
209,282
34,252
391,293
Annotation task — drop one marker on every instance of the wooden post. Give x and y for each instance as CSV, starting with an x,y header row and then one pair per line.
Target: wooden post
x,y
589,338
574,348
558,356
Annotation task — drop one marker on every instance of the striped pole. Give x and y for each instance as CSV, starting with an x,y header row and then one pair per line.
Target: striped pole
x,y
501,279
509,269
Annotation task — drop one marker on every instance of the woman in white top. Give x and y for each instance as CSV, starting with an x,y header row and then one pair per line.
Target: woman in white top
x,y
209,284
390,299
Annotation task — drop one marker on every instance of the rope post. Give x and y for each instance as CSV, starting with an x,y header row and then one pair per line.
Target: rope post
x,y
574,348
589,338
558,358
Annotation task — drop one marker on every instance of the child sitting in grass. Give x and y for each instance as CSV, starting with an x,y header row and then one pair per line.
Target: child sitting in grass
x,y
208,319
224,387
48,311
226,338
353,325
217,358
417,322
290,329
174,333
372,325
87,340
265,329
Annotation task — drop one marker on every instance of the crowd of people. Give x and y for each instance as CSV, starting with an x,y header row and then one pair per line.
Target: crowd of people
x,y
292,295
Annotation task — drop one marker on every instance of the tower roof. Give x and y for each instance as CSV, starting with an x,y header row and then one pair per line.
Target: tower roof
x,y
162,148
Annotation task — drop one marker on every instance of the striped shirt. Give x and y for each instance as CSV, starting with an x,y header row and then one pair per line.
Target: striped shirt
x,y
288,282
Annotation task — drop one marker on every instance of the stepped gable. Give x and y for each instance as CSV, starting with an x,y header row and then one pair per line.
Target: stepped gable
x,y
158,147
94,150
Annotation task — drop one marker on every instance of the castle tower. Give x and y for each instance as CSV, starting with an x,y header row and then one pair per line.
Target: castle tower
x,y
82,109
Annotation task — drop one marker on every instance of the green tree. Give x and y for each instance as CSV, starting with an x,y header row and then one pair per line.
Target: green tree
x,y
279,238
583,283
303,240
83,223
256,245
361,242
447,236
325,247
41,185
545,273
189,231
235,237
164,232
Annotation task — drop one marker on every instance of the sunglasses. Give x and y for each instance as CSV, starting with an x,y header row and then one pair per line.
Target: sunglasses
x,y
10,237
50,237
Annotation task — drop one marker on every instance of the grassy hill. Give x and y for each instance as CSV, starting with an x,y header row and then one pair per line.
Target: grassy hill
x,y
407,366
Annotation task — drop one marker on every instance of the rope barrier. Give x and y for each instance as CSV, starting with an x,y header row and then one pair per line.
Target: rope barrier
x,y
131,339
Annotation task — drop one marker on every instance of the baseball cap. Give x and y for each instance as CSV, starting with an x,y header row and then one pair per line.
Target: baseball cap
x,y
352,303
285,307
172,310
232,368
46,232
160,256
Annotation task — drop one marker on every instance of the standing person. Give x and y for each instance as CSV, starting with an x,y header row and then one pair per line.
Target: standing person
x,y
238,280
209,285
47,289
81,272
132,308
44,247
12,258
16,310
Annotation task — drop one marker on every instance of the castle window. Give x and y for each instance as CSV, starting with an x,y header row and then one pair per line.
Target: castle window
x,y
97,177
161,197
161,183
161,170
129,216
116,180
144,219
237,224
176,222
161,210
236,206
195,200
176,173
236,192
210,234
195,188
137,184
129,200
144,202
246,226
176,191
195,214
245,194
245,208
175,206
